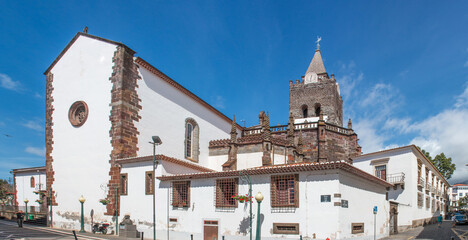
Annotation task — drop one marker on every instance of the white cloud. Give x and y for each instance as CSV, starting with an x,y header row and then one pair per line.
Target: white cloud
x,y
466,64
219,102
34,125
369,140
37,95
7,83
36,151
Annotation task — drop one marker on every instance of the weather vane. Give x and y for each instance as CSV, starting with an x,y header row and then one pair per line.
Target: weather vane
x,y
318,42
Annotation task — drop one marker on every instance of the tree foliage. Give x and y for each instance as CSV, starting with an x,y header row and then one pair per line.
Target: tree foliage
x,y
442,163
5,188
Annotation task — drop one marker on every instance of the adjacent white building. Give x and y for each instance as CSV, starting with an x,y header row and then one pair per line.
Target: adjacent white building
x,y
419,194
29,184
456,192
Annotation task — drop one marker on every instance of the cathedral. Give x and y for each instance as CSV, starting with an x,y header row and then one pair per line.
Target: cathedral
x,y
104,104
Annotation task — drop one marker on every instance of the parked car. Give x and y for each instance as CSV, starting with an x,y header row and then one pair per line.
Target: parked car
x,y
460,218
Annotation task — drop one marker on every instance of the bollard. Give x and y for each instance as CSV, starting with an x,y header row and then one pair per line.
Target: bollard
x,y
142,233
191,236
74,234
223,237
300,237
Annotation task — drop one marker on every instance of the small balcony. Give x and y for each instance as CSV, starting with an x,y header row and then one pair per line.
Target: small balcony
x,y
421,182
428,186
396,178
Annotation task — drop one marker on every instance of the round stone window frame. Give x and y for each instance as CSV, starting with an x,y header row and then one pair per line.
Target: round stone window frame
x,y
73,111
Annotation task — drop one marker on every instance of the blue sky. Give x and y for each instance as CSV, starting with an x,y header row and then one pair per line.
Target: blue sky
x,y
402,65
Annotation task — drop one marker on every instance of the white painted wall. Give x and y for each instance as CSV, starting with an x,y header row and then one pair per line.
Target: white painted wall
x,y
81,154
24,189
315,218
164,111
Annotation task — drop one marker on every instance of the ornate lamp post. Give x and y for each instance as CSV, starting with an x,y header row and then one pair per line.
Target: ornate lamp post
x,y
26,202
82,200
259,198
156,141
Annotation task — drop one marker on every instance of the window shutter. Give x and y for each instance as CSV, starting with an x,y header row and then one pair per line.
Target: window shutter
x,y
296,189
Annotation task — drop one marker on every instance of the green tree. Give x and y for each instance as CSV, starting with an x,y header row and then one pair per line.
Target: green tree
x,y
5,188
442,163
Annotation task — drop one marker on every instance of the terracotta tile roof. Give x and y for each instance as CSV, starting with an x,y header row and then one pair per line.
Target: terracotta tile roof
x,y
176,85
249,139
410,147
164,158
460,184
285,168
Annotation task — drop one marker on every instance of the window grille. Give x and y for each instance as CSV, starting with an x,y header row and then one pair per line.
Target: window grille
x,y
285,228
381,172
285,190
225,189
357,228
149,182
181,194
123,183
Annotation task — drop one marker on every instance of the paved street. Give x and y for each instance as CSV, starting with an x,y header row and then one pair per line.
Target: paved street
x,y
460,232
10,230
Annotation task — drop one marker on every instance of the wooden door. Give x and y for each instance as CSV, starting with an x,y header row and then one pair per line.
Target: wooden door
x,y
210,230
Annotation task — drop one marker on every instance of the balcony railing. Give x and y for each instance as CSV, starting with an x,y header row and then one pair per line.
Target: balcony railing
x,y
396,178
421,182
428,186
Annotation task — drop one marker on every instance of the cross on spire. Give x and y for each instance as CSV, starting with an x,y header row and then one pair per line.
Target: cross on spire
x,y
318,42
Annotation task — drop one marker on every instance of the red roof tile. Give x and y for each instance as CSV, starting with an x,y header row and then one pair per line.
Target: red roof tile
x,y
165,158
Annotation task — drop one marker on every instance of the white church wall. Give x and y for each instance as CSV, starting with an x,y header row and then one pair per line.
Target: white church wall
x,y
137,203
362,196
80,154
24,189
316,219
249,160
164,111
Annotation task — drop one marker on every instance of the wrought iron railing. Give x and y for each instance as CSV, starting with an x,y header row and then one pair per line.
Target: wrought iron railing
x,y
396,178
421,181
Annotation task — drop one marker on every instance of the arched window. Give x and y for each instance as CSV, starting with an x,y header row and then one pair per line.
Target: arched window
x,y
191,139
32,182
317,109
304,111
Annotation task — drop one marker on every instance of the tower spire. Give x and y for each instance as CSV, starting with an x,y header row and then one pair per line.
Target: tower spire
x,y
316,65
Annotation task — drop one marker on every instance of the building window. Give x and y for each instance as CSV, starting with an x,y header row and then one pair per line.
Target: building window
x,y
181,194
191,139
325,198
381,172
225,189
420,200
317,110
123,183
32,182
357,228
78,113
285,228
285,190
149,179
433,205
305,111
428,202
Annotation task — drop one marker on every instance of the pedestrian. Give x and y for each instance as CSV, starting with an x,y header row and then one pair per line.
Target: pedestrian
x,y
439,219
453,220
20,217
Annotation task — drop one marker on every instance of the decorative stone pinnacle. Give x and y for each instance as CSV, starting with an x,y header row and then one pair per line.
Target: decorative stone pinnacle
x,y
266,128
350,124
233,130
321,115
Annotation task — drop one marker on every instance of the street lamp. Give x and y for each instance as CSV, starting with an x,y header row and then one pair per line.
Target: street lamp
x,y
259,198
156,141
82,200
26,202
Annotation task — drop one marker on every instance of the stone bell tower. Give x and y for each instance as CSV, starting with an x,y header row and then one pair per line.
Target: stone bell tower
x,y
316,93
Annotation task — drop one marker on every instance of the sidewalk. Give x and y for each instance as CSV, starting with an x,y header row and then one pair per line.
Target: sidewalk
x,y
431,232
